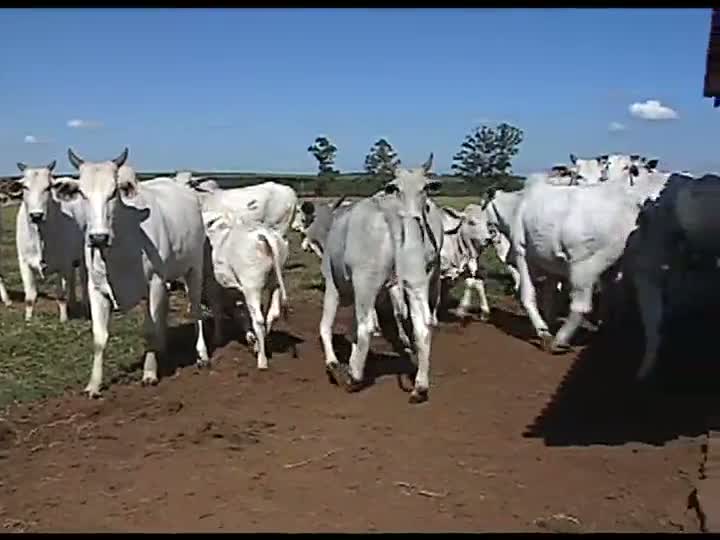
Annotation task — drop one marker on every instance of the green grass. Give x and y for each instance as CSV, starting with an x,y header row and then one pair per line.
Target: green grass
x,y
43,358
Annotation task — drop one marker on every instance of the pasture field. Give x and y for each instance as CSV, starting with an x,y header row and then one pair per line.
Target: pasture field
x,y
512,439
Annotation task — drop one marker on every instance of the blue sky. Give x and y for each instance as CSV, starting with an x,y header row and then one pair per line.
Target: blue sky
x,y
249,89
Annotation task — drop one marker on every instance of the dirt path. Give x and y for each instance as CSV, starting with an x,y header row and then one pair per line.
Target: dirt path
x,y
495,449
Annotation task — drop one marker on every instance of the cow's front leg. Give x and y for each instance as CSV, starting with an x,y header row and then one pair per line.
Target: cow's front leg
x,y
61,296
421,328
4,297
100,314
155,329
479,285
29,287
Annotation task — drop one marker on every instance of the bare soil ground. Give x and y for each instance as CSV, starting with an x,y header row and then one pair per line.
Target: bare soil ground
x,y
512,439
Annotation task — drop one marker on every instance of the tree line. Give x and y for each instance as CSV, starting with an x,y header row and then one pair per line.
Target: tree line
x,y
484,159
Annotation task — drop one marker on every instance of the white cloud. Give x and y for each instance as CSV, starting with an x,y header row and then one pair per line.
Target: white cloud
x,y
652,110
616,126
32,139
76,123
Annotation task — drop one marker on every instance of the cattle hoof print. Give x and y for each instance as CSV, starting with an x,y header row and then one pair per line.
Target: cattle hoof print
x,y
418,396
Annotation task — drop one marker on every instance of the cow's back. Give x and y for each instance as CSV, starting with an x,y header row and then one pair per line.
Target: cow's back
x,y
269,203
359,245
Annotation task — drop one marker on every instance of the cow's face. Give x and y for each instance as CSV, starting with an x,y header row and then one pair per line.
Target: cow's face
x,y
476,227
636,168
589,170
304,216
36,184
411,187
100,185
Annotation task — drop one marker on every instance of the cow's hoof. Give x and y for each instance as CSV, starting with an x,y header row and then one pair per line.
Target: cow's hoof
x,y
262,367
334,373
546,342
418,396
149,380
352,385
484,317
560,348
201,363
92,392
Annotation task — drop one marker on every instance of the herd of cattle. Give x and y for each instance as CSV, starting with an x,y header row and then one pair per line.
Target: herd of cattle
x,y
578,230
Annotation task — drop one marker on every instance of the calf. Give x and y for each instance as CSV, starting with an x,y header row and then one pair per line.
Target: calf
x,y
466,237
270,204
244,260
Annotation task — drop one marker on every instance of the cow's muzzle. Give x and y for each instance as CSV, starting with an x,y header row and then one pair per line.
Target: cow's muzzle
x,y
99,240
37,217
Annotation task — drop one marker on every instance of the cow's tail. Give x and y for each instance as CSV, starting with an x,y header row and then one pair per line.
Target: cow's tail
x,y
271,239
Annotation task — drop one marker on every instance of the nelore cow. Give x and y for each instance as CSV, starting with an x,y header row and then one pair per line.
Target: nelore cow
x,y
270,204
576,233
244,260
138,237
49,238
395,228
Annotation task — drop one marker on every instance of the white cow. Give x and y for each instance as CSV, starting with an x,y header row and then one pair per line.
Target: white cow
x,y
466,235
395,229
313,223
4,296
49,238
575,233
138,237
270,204
589,171
245,259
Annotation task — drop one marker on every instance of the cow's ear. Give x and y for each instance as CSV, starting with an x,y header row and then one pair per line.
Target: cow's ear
x,y
66,190
651,164
432,186
13,189
391,188
127,182
307,207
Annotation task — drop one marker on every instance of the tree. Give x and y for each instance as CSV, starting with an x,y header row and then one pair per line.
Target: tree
x,y
324,151
486,153
382,160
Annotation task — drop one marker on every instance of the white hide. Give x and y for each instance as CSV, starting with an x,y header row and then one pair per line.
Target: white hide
x,y
246,260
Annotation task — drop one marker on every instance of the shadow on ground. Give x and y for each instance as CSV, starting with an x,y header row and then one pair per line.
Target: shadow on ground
x,y
600,402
